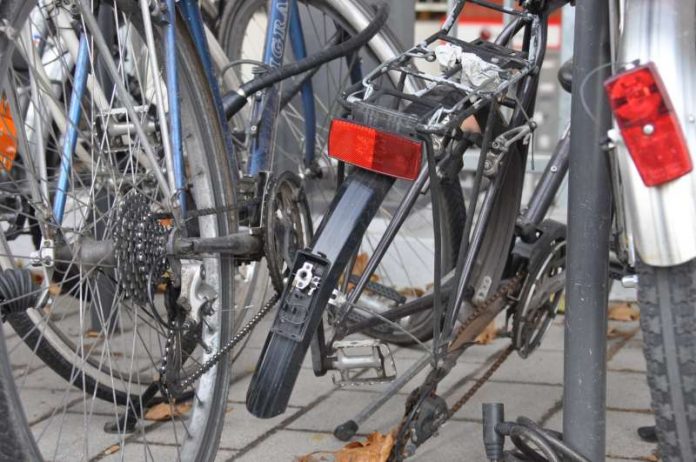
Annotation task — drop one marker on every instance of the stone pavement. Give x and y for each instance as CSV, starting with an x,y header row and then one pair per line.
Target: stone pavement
x,y
531,387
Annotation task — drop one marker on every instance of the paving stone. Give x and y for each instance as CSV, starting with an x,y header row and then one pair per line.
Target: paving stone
x,y
40,377
528,400
342,405
224,455
69,437
46,404
554,337
288,445
628,359
628,391
22,358
150,452
242,428
541,367
456,441
622,439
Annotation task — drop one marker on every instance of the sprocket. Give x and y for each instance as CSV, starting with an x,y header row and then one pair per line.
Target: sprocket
x,y
543,288
139,246
287,224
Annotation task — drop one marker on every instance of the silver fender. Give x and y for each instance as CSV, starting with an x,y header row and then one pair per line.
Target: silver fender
x,y
662,219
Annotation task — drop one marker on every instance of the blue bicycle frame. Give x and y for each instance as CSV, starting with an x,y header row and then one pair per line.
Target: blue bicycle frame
x,y
284,17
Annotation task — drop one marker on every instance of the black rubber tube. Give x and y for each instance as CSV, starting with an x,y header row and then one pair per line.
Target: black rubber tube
x,y
234,101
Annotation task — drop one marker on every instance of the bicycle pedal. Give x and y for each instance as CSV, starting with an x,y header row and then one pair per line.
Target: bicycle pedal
x,y
362,362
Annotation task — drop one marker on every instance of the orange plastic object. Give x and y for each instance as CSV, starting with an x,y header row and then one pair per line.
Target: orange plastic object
x,y
8,137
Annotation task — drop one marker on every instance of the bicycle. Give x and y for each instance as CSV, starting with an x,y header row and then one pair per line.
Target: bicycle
x,y
504,256
307,105
124,201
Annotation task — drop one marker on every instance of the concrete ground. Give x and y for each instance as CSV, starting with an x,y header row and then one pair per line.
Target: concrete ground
x,y
531,387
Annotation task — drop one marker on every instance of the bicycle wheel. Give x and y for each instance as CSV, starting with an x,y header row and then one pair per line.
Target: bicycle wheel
x,y
115,197
667,298
242,32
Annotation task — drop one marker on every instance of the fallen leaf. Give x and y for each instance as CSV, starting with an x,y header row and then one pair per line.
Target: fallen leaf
x,y
623,311
54,289
488,334
165,411
114,448
91,333
375,449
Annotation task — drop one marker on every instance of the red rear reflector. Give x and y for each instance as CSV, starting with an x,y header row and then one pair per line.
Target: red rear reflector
x,y
648,125
375,150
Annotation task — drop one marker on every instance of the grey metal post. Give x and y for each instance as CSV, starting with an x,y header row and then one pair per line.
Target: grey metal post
x,y
589,203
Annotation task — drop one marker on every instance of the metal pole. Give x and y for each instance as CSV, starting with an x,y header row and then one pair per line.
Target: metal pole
x,y
589,222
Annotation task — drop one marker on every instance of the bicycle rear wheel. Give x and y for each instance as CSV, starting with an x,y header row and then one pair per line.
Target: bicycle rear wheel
x,y
117,356
242,32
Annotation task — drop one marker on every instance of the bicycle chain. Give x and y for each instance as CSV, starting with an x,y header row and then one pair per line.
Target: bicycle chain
x,y
505,290
222,209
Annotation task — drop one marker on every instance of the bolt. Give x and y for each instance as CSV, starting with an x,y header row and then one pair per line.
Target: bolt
x,y
554,169
648,129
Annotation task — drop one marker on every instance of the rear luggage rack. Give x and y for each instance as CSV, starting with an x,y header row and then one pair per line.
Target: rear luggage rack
x,y
436,104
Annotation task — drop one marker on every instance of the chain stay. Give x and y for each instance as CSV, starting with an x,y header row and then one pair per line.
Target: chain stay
x,y
455,350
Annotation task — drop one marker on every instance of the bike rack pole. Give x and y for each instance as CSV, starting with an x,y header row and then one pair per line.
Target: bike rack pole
x,y
589,223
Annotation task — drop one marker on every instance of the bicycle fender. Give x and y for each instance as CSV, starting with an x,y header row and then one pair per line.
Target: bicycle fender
x,y
316,272
662,220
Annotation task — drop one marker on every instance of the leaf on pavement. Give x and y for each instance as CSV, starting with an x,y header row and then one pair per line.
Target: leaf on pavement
x,y
114,448
488,334
165,411
623,311
375,449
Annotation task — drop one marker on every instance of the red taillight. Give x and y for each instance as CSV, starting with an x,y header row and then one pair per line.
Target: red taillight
x,y
372,149
648,125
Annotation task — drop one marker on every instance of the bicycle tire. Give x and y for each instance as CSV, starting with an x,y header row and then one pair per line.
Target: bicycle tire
x,y
212,187
667,299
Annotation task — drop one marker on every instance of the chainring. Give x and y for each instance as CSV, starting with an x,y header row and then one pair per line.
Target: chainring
x,y
542,290
287,224
139,247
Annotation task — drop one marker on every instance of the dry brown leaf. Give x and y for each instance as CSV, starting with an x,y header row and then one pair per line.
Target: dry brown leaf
x,y
91,333
359,268
54,289
623,311
375,449
114,448
488,334
164,411
650,458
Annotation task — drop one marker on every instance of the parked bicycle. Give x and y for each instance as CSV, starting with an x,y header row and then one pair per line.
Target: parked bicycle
x,y
506,259
124,208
